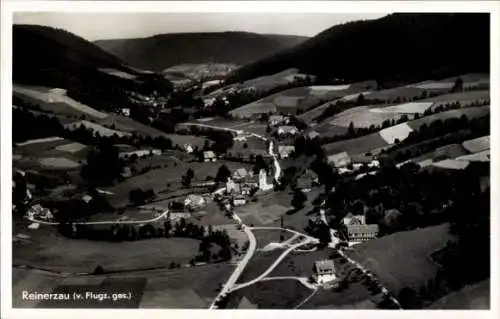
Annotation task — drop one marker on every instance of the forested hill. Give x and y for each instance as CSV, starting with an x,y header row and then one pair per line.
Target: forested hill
x,y
165,50
403,46
54,57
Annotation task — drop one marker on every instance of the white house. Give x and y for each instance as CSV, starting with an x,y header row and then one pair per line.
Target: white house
x,y
125,111
360,233
276,120
194,201
287,129
239,201
176,216
285,150
209,156
324,271
188,148
241,173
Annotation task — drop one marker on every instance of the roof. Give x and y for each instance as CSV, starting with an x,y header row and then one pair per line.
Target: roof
x,y
478,144
276,117
369,228
209,154
241,172
324,265
339,157
282,148
287,128
195,198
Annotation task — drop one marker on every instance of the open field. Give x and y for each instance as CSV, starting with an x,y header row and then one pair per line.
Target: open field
x,y
353,297
388,257
478,144
50,100
355,146
259,263
128,125
96,128
266,210
300,264
58,163
275,294
445,152
49,250
471,113
177,288
388,136
265,236
463,97
476,296
292,100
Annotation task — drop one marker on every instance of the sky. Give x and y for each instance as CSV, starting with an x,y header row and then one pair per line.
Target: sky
x,y
96,26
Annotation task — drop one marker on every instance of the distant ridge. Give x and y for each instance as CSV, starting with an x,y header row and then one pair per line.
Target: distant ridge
x,y
162,51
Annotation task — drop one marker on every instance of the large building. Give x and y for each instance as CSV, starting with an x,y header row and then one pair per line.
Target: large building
x,y
361,233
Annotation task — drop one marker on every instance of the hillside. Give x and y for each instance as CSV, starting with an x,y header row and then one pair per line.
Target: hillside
x,y
49,57
396,48
165,50
61,58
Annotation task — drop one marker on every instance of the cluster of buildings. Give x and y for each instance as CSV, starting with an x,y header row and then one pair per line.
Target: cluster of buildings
x,y
346,164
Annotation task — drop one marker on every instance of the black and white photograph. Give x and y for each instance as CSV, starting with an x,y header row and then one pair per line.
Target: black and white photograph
x,y
248,160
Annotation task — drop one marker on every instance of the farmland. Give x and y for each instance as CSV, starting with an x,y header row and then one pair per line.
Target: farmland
x,y
388,257
149,288
264,294
476,296
96,128
51,100
49,250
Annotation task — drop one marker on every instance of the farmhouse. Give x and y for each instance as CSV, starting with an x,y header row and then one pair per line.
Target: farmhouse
x,y
308,180
287,130
277,119
360,233
312,134
194,201
176,216
125,111
339,159
239,201
285,150
324,271
209,156
241,173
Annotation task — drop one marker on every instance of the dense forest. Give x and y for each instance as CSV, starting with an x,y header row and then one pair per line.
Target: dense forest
x,y
400,47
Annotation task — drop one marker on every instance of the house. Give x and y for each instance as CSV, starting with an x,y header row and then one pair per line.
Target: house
x,y
276,120
40,212
287,130
176,216
351,219
285,150
240,138
339,159
307,180
239,201
125,111
232,187
324,271
188,148
312,135
194,201
209,156
241,173
361,233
